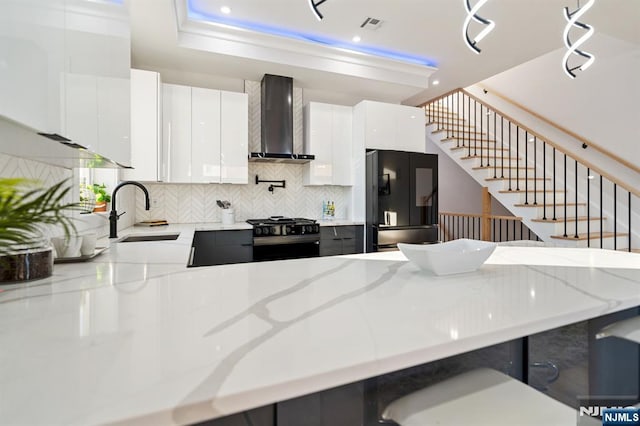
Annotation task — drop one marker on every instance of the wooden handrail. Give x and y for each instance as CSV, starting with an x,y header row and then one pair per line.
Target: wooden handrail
x,y
450,92
582,139
586,163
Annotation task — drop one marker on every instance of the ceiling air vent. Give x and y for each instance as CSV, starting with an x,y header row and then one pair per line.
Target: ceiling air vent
x,y
371,24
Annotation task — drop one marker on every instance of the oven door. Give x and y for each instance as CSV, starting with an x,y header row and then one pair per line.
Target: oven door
x,y
285,247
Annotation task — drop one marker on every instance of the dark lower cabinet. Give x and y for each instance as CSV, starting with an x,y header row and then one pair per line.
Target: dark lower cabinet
x,y
221,247
337,240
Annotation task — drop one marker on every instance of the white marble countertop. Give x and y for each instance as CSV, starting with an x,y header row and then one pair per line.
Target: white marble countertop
x,y
135,337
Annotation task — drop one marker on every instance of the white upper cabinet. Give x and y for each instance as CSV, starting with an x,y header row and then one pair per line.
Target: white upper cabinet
x,y
234,137
32,62
205,135
391,126
328,136
146,103
176,133
64,70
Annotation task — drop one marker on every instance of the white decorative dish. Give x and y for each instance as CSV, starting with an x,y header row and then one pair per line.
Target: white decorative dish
x,y
452,257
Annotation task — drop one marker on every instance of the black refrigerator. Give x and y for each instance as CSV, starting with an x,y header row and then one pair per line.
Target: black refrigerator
x,y
401,198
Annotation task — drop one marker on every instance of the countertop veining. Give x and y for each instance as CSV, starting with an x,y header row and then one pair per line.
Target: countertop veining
x,y
137,337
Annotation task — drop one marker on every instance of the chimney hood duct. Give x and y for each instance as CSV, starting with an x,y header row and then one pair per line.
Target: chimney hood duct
x,y
277,122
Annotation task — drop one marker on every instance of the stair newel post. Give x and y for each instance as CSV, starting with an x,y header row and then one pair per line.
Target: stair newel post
x,y
576,208
544,180
486,214
526,168
565,196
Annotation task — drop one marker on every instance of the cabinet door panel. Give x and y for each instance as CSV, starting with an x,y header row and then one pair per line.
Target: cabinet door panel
x,y
145,126
114,116
205,137
318,141
380,130
237,238
410,128
176,135
342,136
81,110
234,138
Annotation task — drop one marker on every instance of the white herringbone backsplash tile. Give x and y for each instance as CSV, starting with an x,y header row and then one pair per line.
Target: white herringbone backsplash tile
x,y
197,203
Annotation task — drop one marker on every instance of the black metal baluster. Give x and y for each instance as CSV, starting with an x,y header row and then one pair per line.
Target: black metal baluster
x,y
565,196
481,133
475,137
588,205
576,208
526,169
468,225
500,229
615,216
458,117
554,184
544,180
629,237
601,212
495,145
509,155
501,146
467,137
535,172
518,158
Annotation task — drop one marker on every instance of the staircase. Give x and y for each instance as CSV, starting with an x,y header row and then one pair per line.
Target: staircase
x,y
562,199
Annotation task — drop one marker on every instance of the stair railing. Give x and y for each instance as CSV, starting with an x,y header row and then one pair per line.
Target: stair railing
x,y
452,226
489,134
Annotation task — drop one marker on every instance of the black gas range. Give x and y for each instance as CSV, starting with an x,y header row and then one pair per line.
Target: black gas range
x,y
281,237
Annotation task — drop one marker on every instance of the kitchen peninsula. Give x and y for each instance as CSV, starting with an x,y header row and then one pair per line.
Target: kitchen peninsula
x,y
136,337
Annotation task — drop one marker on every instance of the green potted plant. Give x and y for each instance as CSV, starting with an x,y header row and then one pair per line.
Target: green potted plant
x,y
25,212
102,197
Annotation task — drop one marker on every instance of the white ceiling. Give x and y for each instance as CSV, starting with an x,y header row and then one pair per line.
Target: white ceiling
x,y
431,29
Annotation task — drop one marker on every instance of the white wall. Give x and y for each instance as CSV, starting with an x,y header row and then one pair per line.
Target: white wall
x,y
457,191
601,104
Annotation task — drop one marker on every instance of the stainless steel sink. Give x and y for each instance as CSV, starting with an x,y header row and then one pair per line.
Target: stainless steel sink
x,y
152,237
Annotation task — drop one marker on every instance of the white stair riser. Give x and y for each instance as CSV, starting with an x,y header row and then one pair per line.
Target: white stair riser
x,y
607,243
522,173
539,198
482,160
558,227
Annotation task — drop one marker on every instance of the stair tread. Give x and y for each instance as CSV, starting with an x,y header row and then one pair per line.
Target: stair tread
x,y
627,250
469,157
548,205
458,131
484,148
514,178
478,144
506,167
590,236
506,191
568,219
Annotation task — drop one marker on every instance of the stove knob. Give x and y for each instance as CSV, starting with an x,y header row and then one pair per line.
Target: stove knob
x,y
272,230
258,231
316,228
308,228
288,229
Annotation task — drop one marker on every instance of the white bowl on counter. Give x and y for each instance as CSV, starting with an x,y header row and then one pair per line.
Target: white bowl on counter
x,y
452,257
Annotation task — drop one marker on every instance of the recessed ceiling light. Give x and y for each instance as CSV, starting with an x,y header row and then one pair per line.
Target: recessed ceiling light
x,y
356,39
435,82
225,9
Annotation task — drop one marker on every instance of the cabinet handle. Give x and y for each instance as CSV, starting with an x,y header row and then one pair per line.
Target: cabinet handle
x,y
191,255
247,245
337,239
348,238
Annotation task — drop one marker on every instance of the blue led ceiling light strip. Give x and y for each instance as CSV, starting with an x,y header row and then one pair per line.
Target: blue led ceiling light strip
x,y
572,48
194,13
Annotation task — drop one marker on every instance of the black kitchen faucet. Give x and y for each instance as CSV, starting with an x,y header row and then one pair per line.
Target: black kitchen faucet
x,y
114,216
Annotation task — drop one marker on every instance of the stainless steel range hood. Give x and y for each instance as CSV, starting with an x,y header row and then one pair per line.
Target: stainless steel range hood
x,y
277,122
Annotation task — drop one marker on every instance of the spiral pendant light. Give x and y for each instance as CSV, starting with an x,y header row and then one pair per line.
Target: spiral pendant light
x,y
573,48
